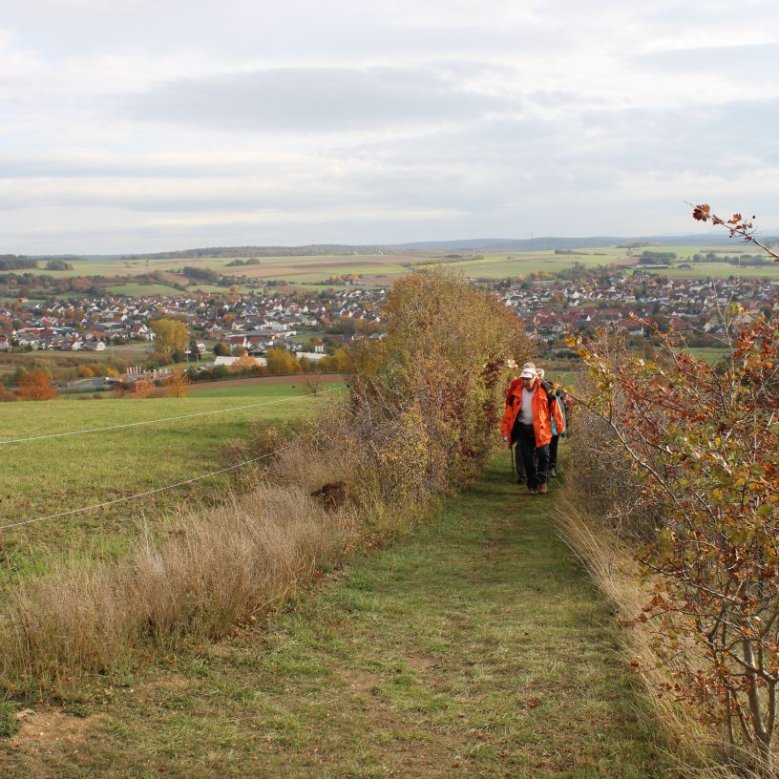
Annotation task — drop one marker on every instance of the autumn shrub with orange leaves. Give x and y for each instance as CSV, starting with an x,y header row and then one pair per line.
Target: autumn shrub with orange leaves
x,y
143,388
36,385
700,458
177,385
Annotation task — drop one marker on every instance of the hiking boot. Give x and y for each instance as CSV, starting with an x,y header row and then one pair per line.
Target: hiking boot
x,y
552,472
531,491
543,489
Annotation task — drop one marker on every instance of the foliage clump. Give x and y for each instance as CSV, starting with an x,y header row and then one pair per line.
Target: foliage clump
x,y
36,385
694,451
430,392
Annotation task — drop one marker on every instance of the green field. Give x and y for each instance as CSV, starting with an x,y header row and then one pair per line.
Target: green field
x,y
139,290
42,477
383,268
513,264
711,354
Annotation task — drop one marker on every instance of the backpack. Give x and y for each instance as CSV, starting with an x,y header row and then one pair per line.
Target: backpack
x,y
557,399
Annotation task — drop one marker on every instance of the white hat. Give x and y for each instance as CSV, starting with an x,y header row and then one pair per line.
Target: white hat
x,y
528,371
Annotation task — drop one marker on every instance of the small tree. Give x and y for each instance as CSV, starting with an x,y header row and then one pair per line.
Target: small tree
x,y
177,386
170,336
280,361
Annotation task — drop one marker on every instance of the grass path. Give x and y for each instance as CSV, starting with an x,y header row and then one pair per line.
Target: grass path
x,y
473,647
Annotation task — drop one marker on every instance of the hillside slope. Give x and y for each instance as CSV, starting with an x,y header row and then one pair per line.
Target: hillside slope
x,y
474,647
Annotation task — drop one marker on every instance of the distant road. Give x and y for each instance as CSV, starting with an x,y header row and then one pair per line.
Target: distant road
x,y
325,378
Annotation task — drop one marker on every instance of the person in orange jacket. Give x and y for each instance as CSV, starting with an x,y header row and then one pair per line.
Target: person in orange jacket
x,y
527,422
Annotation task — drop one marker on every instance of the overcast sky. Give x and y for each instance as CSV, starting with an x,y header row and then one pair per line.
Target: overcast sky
x,y
148,125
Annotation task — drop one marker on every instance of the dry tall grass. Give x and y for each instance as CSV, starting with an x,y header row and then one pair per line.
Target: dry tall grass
x,y
212,571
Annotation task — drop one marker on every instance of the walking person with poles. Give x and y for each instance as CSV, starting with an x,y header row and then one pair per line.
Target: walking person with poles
x,y
515,453
527,422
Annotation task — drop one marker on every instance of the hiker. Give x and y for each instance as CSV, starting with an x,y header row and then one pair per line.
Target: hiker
x,y
527,422
557,397
517,462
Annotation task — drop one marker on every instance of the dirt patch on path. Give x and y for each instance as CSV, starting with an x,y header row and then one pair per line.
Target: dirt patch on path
x,y
45,727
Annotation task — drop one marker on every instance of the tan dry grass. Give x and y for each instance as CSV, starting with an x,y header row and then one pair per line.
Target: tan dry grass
x,y
213,570
614,569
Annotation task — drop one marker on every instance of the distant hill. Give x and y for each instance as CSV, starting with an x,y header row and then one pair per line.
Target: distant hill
x,y
549,243
546,243
257,251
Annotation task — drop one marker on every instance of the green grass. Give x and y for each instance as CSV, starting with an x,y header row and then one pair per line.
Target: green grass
x,y
712,354
511,264
311,271
718,270
138,290
474,647
50,476
8,723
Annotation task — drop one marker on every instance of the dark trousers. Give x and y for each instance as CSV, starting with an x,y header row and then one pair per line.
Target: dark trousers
x,y
534,458
553,451
519,464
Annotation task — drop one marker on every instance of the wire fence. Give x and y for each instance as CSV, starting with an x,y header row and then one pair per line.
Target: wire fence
x,y
157,490
89,430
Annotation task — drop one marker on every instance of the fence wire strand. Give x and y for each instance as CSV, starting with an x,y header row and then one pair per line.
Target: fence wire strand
x,y
86,431
157,490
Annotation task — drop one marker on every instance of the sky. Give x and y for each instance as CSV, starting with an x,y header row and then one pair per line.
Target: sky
x,y
153,125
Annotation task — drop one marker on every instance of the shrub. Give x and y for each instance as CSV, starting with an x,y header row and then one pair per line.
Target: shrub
x,y
36,385
177,386
702,448
446,350
143,388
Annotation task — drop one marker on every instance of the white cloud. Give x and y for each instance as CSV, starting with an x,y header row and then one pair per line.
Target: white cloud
x,y
152,125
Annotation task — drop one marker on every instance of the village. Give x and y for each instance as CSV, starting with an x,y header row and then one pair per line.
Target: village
x,y
316,323
692,307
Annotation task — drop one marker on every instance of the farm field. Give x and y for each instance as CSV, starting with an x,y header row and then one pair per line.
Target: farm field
x,y
312,269
382,269
139,290
720,270
511,264
130,353
49,476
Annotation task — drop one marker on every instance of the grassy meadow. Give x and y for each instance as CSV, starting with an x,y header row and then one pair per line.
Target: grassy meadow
x,y
712,354
53,475
475,646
